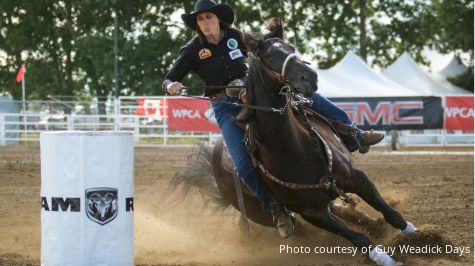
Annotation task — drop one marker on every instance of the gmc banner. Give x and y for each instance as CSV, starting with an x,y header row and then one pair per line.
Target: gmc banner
x,y
459,112
187,114
388,113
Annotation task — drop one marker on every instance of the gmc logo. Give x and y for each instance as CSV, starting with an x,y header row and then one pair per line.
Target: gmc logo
x,y
386,113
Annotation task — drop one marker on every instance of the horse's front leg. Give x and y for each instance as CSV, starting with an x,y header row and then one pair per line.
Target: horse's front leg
x,y
326,220
363,187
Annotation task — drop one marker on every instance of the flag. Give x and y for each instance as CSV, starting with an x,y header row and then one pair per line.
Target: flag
x,y
21,72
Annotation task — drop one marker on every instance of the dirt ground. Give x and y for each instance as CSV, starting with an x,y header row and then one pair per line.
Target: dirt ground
x,y
433,191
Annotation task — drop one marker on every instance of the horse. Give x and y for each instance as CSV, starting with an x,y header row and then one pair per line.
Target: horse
x,y
299,154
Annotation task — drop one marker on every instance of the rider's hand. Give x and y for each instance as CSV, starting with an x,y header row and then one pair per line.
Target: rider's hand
x,y
174,88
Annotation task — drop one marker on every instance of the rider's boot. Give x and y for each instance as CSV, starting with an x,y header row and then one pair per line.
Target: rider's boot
x,y
284,219
363,139
368,138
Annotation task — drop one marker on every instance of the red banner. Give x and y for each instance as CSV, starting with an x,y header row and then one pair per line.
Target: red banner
x,y
152,107
191,115
459,112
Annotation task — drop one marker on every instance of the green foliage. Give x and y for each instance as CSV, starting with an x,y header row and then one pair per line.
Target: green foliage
x,y
67,46
464,80
453,25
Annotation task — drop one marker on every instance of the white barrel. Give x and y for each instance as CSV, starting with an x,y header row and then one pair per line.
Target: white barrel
x,y
87,190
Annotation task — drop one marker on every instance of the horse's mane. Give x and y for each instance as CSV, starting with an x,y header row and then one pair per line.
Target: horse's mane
x,y
260,78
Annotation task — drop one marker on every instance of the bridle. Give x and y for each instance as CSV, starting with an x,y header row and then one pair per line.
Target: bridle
x,y
287,59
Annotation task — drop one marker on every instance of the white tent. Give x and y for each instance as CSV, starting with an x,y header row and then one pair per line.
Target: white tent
x,y
352,77
454,68
407,73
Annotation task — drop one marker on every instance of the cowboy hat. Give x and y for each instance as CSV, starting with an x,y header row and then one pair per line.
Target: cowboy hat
x,y
223,11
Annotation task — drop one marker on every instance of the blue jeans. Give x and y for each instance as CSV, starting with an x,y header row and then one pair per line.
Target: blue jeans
x,y
234,138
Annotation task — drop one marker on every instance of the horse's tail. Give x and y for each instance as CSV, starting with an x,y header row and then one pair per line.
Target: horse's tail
x,y
197,175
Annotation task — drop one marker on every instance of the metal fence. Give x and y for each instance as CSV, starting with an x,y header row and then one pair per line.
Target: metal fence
x,y
151,129
24,128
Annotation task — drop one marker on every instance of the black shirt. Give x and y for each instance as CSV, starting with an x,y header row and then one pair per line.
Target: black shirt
x,y
214,64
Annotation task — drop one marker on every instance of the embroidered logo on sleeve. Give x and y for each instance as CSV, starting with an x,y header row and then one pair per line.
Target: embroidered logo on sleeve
x,y
204,53
235,54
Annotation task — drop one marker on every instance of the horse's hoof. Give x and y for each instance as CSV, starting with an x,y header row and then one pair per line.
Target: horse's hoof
x,y
410,228
382,258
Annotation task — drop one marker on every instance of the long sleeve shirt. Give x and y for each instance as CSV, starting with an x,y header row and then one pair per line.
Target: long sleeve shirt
x,y
215,64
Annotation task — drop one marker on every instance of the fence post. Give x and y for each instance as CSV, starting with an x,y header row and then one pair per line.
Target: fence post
x,y
137,129
70,122
2,129
444,137
116,114
165,120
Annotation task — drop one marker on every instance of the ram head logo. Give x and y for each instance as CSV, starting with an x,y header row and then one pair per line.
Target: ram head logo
x,y
101,204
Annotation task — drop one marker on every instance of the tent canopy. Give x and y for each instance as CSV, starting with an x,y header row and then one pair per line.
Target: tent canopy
x,y
454,68
408,73
352,77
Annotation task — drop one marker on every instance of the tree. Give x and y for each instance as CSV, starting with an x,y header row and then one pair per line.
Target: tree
x,y
454,33
67,46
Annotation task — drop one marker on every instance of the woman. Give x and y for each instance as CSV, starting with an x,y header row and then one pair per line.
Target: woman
x,y
216,54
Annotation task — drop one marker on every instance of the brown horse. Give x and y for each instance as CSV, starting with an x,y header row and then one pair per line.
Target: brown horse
x,y
299,154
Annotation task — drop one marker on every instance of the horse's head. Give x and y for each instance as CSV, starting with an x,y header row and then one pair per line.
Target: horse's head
x,y
281,58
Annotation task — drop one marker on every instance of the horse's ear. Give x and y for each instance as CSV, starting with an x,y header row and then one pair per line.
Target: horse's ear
x,y
250,42
275,27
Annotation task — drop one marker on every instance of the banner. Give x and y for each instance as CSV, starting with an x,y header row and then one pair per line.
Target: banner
x,y
459,112
185,114
154,108
388,113
381,113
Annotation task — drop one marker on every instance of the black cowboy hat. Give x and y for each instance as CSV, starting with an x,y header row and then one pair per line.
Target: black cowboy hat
x,y
223,11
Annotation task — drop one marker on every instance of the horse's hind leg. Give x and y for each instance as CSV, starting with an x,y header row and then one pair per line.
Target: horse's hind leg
x,y
362,185
326,220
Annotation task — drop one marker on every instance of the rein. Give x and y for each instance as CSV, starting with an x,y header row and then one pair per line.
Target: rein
x,y
250,106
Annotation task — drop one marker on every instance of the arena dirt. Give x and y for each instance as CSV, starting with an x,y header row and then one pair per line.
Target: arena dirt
x,y
434,192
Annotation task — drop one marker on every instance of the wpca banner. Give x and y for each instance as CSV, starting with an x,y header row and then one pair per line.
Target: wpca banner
x,y
187,114
459,113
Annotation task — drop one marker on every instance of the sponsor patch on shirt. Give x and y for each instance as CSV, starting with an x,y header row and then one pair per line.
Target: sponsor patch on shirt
x,y
235,54
204,53
232,44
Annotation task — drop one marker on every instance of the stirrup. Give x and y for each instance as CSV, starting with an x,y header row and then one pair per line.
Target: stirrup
x,y
284,221
350,131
